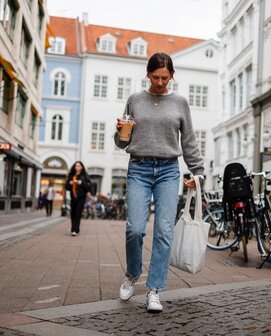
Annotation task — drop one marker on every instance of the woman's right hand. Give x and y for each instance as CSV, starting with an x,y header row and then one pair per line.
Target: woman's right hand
x,y
119,124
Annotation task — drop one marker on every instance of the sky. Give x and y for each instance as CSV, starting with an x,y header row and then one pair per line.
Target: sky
x,y
190,18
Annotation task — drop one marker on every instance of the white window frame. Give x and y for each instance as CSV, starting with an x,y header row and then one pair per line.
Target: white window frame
x,y
201,136
97,136
124,88
138,47
100,86
53,78
198,96
57,128
66,115
173,86
58,45
232,97
107,43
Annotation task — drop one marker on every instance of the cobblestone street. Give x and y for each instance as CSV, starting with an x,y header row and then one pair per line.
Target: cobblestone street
x,y
244,311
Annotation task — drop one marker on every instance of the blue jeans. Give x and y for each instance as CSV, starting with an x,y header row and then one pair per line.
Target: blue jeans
x,y
160,178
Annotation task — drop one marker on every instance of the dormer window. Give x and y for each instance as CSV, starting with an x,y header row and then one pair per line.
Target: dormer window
x,y
107,43
138,47
58,45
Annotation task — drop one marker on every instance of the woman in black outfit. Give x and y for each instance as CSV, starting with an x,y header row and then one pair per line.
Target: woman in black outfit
x,y
79,184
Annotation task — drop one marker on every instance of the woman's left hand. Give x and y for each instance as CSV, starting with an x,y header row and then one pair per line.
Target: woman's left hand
x,y
189,183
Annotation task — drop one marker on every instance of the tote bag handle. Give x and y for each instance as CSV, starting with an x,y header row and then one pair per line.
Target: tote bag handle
x,y
198,203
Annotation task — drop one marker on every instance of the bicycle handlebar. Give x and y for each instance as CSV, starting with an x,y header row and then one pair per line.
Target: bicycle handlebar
x,y
251,175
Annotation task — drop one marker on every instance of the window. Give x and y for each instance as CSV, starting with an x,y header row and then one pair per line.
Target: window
x,y
144,84
5,87
97,135
124,88
40,17
138,47
232,97
198,96
36,70
58,46
25,44
107,43
248,84
250,23
8,11
57,127
20,109
217,151
230,146
173,86
240,79
234,41
201,139
100,86
33,124
238,143
209,53
60,84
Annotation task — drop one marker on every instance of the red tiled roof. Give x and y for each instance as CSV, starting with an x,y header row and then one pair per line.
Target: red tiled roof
x,y
66,28
156,42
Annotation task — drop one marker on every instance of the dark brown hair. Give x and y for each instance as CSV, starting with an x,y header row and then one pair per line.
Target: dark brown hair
x,y
72,170
160,60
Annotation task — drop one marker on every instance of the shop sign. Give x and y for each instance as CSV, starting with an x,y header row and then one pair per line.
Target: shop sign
x,y
5,146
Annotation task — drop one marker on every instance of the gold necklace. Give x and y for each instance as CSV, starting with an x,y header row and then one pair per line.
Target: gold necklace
x,y
156,98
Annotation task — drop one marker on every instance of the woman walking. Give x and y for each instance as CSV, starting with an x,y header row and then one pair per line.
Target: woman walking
x,y
79,184
162,119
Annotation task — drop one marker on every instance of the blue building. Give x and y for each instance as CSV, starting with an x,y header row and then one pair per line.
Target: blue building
x,y
60,126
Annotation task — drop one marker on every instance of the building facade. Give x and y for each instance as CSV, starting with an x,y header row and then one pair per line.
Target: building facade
x,y
262,102
115,67
106,66
22,42
244,85
60,128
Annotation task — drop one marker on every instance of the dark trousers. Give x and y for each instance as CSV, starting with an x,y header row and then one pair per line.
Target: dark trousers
x,y
49,207
77,206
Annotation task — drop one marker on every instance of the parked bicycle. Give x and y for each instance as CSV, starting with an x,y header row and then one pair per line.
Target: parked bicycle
x,y
239,220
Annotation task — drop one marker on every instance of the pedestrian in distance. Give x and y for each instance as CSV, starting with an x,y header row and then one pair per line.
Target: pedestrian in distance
x,y
49,198
41,201
79,184
161,120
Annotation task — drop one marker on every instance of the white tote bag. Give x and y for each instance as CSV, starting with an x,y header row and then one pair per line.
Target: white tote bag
x,y
190,236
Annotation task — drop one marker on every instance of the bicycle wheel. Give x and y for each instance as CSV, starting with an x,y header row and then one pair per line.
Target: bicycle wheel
x,y
221,234
263,232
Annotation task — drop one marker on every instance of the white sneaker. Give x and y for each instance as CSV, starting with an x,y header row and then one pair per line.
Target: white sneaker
x,y
126,289
74,234
153,302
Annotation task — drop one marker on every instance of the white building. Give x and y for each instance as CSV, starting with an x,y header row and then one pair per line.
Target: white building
x,y
245,44
114,67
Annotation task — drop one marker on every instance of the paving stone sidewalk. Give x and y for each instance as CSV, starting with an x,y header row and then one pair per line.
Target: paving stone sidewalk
x,y
52,284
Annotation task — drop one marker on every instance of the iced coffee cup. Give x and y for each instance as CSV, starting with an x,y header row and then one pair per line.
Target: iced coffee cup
x,y
127,128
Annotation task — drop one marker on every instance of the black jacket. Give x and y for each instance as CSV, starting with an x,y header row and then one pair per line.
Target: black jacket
x,y
82,189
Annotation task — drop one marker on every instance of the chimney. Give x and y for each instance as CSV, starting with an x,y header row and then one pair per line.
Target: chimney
x,y
85,18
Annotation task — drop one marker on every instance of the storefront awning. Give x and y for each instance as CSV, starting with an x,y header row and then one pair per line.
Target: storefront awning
x,y
10,70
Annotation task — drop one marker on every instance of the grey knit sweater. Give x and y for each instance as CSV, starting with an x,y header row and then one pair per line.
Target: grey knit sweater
x,y
163,122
